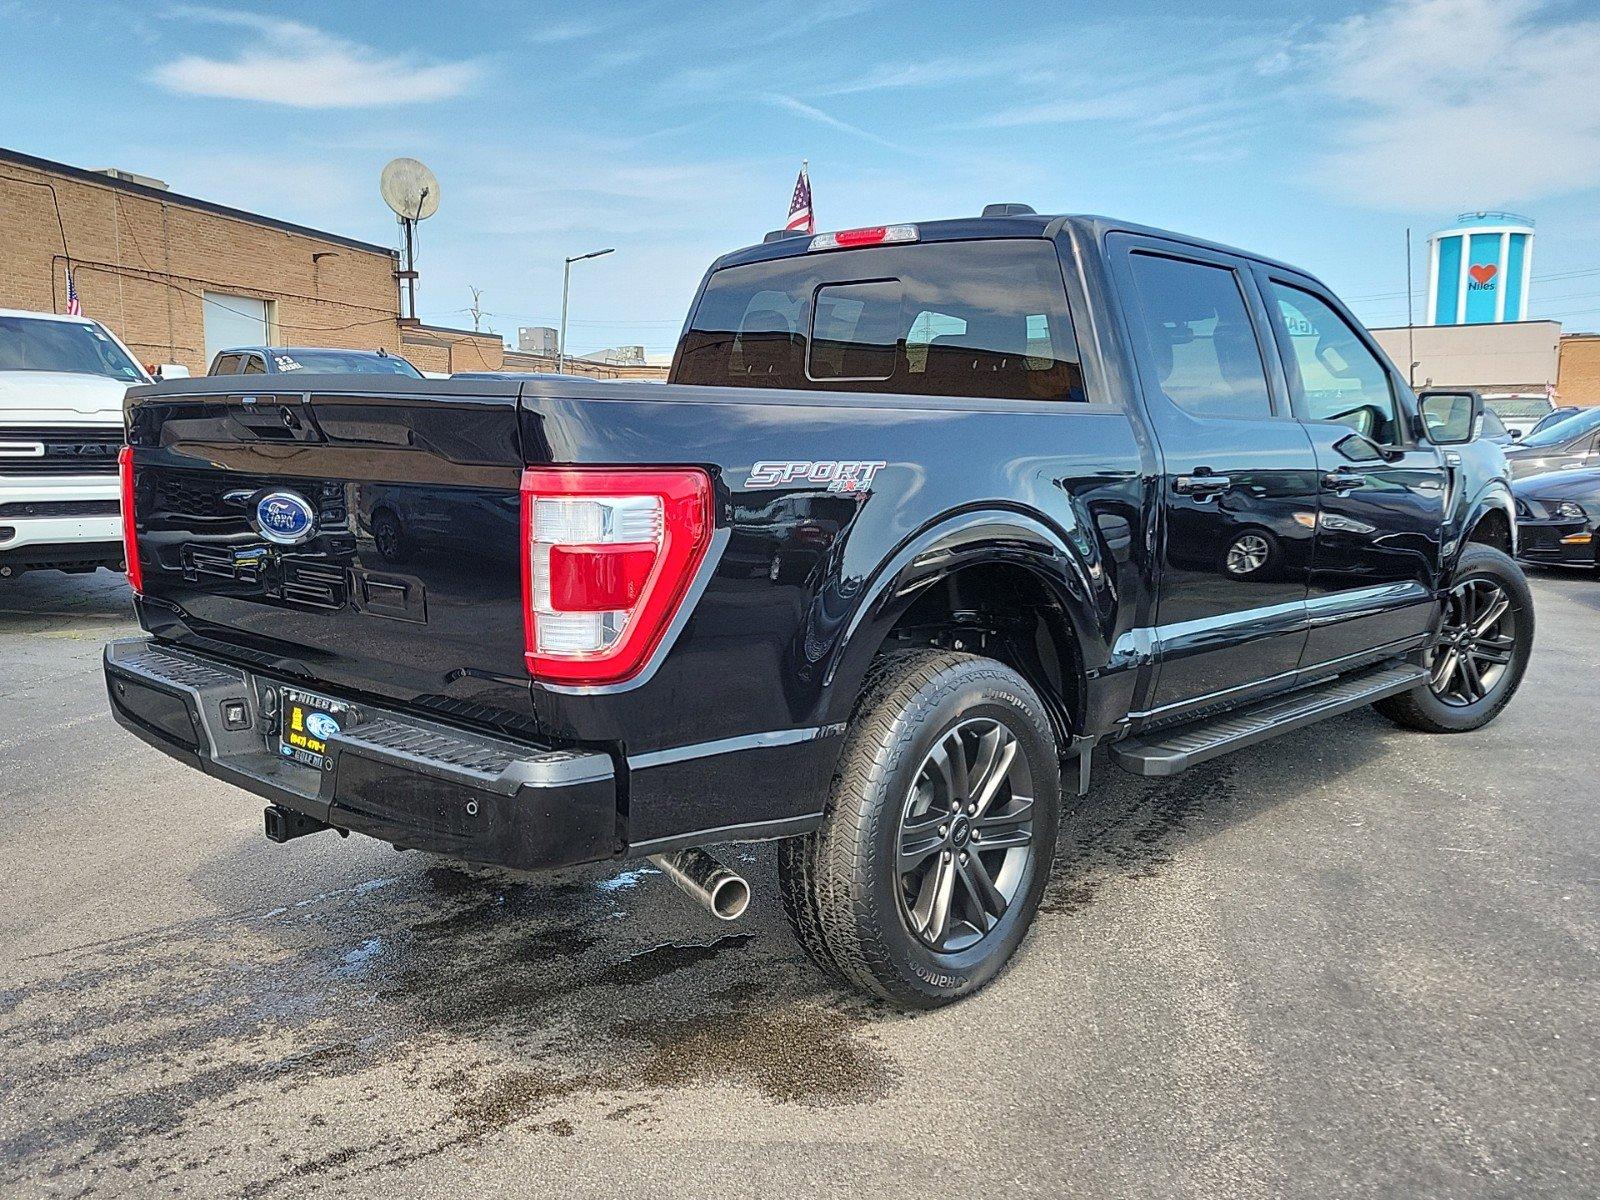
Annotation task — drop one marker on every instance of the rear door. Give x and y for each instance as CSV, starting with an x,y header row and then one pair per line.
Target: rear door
x,y
1383,494
1238,485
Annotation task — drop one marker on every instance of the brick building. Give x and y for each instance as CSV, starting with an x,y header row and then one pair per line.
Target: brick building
x,y
178,278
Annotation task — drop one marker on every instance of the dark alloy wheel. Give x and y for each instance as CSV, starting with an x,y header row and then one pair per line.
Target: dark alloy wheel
x,y
1484,642
1476,643
966,836
933,854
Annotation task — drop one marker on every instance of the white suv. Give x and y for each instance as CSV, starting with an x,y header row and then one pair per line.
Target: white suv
x,y
62,381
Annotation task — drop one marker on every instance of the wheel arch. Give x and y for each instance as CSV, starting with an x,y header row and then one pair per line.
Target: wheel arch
x,y
1491,520
998,582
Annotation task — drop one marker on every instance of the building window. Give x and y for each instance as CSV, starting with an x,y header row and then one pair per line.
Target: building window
x,y
234,321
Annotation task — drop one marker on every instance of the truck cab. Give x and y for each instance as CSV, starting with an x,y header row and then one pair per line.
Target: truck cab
x,y
62,382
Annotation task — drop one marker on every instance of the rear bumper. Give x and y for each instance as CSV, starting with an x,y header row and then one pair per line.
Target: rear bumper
x,y
414,783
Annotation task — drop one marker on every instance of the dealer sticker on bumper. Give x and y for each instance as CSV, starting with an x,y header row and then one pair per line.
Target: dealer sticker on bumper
x,y
308,722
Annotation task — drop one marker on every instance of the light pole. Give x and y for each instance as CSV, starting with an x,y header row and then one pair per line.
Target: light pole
x,y
566,286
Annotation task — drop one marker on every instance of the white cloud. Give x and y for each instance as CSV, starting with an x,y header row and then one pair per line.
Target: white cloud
x,y
1458,102
812,113
287,62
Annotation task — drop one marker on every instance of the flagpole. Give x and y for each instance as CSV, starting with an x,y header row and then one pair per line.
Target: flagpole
x,y
805,169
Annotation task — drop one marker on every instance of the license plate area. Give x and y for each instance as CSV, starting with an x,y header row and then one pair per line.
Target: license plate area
x,y
309,720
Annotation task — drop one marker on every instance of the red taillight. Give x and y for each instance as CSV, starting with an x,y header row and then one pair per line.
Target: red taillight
x,y
607,557
860,237
130,529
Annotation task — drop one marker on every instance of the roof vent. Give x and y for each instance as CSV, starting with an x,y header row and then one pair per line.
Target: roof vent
x,y
1008,210
781,235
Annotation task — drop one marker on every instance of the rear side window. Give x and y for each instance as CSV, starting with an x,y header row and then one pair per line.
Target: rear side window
x,y
970,319
1200,337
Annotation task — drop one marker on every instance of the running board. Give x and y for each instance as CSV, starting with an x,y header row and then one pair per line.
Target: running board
x,y
1168,751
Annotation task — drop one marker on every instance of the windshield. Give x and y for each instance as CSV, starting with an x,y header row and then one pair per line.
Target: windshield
x,y
1518,408
343,362
1563,432
29,344
1493,426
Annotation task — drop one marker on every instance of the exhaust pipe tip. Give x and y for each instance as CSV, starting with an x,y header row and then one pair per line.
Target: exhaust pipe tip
x,y
719,889
730,897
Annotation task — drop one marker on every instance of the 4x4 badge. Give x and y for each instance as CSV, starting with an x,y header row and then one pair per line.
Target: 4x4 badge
x,y
838,474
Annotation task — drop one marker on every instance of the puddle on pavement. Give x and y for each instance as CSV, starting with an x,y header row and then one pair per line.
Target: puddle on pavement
x,y
1126,830
468,1002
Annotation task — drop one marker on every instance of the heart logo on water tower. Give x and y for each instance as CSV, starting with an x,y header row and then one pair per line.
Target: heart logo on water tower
x,y
1482,273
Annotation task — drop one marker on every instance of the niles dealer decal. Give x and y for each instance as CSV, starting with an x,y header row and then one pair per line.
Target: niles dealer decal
x,y
837,474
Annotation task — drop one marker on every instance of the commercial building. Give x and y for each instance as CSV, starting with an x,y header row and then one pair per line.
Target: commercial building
x,y
178,278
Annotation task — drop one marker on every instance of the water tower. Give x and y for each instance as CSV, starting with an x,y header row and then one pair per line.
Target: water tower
x,y
1478,269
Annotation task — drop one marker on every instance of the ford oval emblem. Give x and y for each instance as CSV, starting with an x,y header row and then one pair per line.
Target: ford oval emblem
x,y
285,518
321,726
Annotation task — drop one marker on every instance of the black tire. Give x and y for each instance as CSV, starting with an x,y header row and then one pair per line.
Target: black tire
x,y
1425,708
843,887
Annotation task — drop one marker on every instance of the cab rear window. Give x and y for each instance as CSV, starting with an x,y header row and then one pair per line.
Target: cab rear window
x,y
982,318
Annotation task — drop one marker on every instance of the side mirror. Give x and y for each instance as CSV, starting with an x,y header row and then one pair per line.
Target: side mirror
x,y
1451,418
171,371
1516,435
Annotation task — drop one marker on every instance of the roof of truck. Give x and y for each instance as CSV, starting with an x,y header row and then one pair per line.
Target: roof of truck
x,y
1011,225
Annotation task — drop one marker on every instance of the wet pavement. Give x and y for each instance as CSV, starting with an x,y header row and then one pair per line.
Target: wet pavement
x,y
1355,961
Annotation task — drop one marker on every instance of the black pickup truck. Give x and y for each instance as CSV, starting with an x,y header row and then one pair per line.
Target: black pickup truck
x,y
925,515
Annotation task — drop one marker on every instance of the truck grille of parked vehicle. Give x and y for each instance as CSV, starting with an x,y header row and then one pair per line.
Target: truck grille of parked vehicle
x,y
59,450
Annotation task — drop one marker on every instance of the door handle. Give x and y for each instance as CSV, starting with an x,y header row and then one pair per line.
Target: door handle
x,y
1343,480
1201,486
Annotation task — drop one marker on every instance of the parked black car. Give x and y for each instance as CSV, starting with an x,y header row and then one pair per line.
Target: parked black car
x,y
312,360
1557,517
1554,417
924,514
1565,446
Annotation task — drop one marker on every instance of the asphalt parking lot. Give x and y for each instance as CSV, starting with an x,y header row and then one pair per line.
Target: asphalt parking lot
x,y
1353,962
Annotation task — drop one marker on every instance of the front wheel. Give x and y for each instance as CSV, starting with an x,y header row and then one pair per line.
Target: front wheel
x,y
935,850
1485,641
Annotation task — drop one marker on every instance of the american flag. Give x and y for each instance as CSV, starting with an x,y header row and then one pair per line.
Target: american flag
x,y
74,305
800,207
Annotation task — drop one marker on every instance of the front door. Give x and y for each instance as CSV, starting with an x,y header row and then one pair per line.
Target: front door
x,y
1239,479
1383,494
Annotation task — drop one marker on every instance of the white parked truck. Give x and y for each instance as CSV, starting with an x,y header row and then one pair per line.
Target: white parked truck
x,y
62,381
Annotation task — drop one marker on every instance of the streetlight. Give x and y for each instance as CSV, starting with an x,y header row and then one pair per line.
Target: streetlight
x,y
566,286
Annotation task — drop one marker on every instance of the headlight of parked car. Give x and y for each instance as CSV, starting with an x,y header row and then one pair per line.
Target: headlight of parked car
x,y
1569,511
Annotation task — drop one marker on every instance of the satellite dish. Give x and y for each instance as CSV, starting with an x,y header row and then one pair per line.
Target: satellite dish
x,y
410,189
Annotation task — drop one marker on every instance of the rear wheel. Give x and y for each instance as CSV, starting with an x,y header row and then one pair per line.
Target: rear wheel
x,y
928,869
1485,640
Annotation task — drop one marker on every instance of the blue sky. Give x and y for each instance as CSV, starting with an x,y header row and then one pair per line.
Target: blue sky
x,y
673,131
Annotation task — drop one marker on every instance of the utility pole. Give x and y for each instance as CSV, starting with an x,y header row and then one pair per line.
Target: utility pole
x,y
1411,322
475,310
566,287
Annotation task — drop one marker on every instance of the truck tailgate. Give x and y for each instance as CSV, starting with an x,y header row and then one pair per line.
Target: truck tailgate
x,y
406,584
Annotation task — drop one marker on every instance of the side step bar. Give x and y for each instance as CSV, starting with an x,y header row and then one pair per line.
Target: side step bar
x,y
1168,751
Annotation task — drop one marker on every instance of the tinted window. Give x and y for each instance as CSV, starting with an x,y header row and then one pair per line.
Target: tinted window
x,y
1200,337
855,330
982,318
1563,432
253,364
343,362
29,344
1341,379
